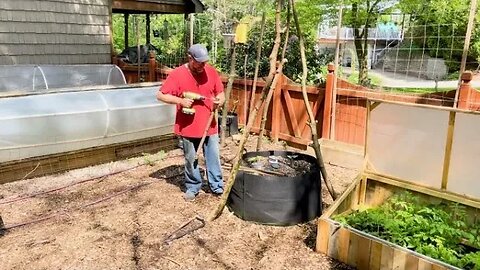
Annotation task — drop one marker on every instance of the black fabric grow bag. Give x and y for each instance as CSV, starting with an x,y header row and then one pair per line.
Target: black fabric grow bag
x,y
277,200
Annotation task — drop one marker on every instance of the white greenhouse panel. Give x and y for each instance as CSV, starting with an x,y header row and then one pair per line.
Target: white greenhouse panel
x,y
464,175
408,142
45,124
39,79
21,79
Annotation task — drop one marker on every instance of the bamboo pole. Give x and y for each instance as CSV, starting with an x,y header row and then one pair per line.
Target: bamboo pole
x,y
468,35
236,162
313,126
273,88
337,59
257,64
231,77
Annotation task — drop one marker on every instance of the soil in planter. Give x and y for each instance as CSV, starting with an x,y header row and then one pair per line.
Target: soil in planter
x,y
282,166
446,231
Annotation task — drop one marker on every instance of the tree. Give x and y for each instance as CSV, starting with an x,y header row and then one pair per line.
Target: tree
x,y
444,24
362,15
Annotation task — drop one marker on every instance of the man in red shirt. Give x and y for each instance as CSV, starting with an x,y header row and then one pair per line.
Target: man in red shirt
x,y
198,77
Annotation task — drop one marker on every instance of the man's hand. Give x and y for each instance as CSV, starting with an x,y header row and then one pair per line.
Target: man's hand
x,y
186,103
217,103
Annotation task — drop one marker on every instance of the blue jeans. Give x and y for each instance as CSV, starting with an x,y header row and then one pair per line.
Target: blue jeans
x,y
193,179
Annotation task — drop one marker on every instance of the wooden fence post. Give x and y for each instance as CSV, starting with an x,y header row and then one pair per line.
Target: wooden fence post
x,y
327,109
114,59
465,91
276,107
152,67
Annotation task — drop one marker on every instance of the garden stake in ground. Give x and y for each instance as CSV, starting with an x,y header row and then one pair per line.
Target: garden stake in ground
x,y
251,118
183,230
313,127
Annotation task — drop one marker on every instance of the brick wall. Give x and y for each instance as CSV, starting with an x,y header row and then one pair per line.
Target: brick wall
x,y
54,32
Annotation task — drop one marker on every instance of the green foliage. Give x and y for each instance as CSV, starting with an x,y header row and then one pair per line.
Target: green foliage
x,y
438,230
171,35
170,40
151,159
361,15
316,61
445,24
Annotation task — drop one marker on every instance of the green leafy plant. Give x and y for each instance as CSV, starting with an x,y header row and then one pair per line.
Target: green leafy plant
x,y
151,159
441,230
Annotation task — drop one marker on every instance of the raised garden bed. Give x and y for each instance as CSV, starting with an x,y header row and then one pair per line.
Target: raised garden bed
x,y
381,223
428,154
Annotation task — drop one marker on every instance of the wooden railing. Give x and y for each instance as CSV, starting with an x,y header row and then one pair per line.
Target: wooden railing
x,y
351,112
287,116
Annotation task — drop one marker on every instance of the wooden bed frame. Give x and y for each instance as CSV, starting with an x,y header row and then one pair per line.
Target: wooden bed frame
x,y
370,189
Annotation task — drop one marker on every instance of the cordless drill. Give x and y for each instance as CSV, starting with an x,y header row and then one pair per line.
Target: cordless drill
x,y
192,96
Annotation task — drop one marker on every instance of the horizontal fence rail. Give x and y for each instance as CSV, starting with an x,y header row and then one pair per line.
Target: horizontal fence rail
x,y
287,117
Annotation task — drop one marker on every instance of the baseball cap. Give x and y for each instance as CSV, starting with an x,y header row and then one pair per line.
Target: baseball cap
x,y
198,52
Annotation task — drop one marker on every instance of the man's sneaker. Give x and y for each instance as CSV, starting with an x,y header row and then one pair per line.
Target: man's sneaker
x,y
189,196
218,192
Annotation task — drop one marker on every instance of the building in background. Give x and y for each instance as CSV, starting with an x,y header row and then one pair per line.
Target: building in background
x,y
380,39
70,31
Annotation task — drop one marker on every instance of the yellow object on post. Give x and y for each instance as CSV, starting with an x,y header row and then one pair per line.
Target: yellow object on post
x,y
241,33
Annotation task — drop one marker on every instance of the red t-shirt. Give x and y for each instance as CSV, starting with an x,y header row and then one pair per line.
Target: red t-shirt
x,y
207,84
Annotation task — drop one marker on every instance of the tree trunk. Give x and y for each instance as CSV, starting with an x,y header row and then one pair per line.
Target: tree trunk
x,y
361,43
362,61
251,119
267,104
313,122
231,77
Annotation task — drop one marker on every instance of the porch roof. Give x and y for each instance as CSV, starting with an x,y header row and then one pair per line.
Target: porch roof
x,y
157,6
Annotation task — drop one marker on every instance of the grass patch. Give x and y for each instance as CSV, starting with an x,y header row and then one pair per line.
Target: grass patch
x,y
416,90
374,80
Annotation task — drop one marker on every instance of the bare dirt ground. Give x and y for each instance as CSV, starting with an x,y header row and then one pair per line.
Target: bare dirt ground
x,y
120,221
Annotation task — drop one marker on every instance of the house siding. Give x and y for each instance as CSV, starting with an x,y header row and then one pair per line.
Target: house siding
x,y
55,32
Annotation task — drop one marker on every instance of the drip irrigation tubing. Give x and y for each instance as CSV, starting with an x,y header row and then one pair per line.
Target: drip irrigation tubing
x,y
66,211
32,195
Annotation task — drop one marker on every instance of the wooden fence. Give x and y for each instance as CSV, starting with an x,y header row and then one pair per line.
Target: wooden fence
x,y
351,112
287,117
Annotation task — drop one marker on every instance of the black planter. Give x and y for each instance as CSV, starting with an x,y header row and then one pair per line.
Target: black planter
x,y
277,200
231,125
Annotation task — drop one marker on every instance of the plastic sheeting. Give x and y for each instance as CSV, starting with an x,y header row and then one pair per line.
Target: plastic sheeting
x,y
408,142
30,78
52,123
464,175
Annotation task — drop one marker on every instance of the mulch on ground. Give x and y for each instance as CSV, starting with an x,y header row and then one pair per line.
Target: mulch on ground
x,y
121,220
